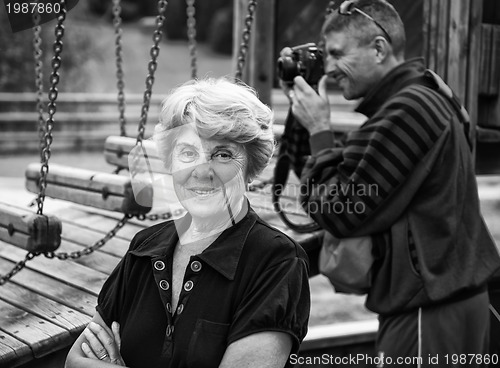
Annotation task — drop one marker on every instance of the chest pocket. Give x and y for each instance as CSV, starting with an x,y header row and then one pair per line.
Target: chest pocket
x,y
208,344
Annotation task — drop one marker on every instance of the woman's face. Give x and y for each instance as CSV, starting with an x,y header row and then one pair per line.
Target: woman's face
x,y
208,175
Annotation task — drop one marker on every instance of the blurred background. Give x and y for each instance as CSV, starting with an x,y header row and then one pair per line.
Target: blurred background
x,y
88,77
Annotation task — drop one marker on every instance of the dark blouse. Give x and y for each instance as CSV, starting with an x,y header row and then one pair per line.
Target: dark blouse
x,y
253,278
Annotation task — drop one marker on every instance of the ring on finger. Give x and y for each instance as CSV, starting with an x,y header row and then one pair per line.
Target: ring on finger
x,y
104,356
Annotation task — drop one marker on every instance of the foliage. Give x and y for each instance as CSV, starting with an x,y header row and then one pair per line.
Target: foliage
x,y
81,47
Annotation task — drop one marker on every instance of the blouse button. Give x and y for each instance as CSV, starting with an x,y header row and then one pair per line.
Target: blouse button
x,y
170,329
164,285
196,266
180,308
188,285
169,308
159,265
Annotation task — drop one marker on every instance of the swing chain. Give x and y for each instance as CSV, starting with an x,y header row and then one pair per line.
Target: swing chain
x,y
117,22
152,66
252,4
18,267
191,33
64,255
37,52
49,124
88,250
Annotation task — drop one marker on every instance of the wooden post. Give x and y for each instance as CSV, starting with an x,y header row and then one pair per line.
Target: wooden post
x,y
240,11
451,46
260,63
261,59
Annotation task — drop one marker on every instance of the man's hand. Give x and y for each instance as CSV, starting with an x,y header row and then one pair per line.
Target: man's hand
x,y
311,109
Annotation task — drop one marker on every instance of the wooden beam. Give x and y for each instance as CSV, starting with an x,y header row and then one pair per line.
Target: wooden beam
x,y
259,63
261,59
106,191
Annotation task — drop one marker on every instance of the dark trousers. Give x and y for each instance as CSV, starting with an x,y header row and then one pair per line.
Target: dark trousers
x,y
454,334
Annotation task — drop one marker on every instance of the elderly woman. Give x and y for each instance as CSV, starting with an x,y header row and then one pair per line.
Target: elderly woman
x,y
217,287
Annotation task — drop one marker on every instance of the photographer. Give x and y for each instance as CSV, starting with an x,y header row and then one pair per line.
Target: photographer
x,y
433,254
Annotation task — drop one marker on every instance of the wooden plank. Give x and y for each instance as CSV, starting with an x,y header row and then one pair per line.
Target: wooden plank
x,y
79,98
51,288
81,178
340,334
458,40
494,84
13,350
485,58
261,57
442,39
69,272
100,221
426,32
63,316
111,202
117,152
471,100
42,336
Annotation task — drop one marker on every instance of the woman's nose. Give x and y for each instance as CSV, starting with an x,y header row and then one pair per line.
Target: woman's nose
x,y
203,170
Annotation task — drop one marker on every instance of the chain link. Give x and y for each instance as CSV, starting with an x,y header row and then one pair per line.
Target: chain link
x,y
49,124
90,249
252,4
117,22
37,54
191,33
18,267
152,66
64,255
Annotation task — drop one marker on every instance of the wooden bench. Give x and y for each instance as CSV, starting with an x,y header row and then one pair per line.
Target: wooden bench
x,y
47,305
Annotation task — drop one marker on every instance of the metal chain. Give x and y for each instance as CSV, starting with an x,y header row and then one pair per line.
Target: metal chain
x,y
160,216
37,54
49,124
18,267
64,255
117,22
155,51
90,249
191,33
252,4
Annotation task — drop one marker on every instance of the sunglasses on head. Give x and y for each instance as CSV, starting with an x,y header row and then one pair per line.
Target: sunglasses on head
x,y
349,8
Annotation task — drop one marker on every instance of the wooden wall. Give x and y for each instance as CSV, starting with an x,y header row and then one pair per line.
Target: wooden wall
x,y
452,31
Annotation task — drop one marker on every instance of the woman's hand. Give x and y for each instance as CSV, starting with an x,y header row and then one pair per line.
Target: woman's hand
x,y
100,345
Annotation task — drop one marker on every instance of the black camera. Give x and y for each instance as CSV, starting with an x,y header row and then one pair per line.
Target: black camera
x,y
305,60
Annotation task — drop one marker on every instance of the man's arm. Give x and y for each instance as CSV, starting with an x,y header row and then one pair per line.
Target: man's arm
x,y
381,168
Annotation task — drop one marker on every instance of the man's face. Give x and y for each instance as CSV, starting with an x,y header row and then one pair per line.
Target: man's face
x,y
353,67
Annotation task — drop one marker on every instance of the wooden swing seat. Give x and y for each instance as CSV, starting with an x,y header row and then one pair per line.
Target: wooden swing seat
x,y
90,188
117,150
32,232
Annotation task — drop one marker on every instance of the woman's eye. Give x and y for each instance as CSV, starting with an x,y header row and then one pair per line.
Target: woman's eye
x,y
222,156
188,155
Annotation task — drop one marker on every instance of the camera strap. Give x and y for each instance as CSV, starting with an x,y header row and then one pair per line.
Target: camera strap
x,y
293,152
433,81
